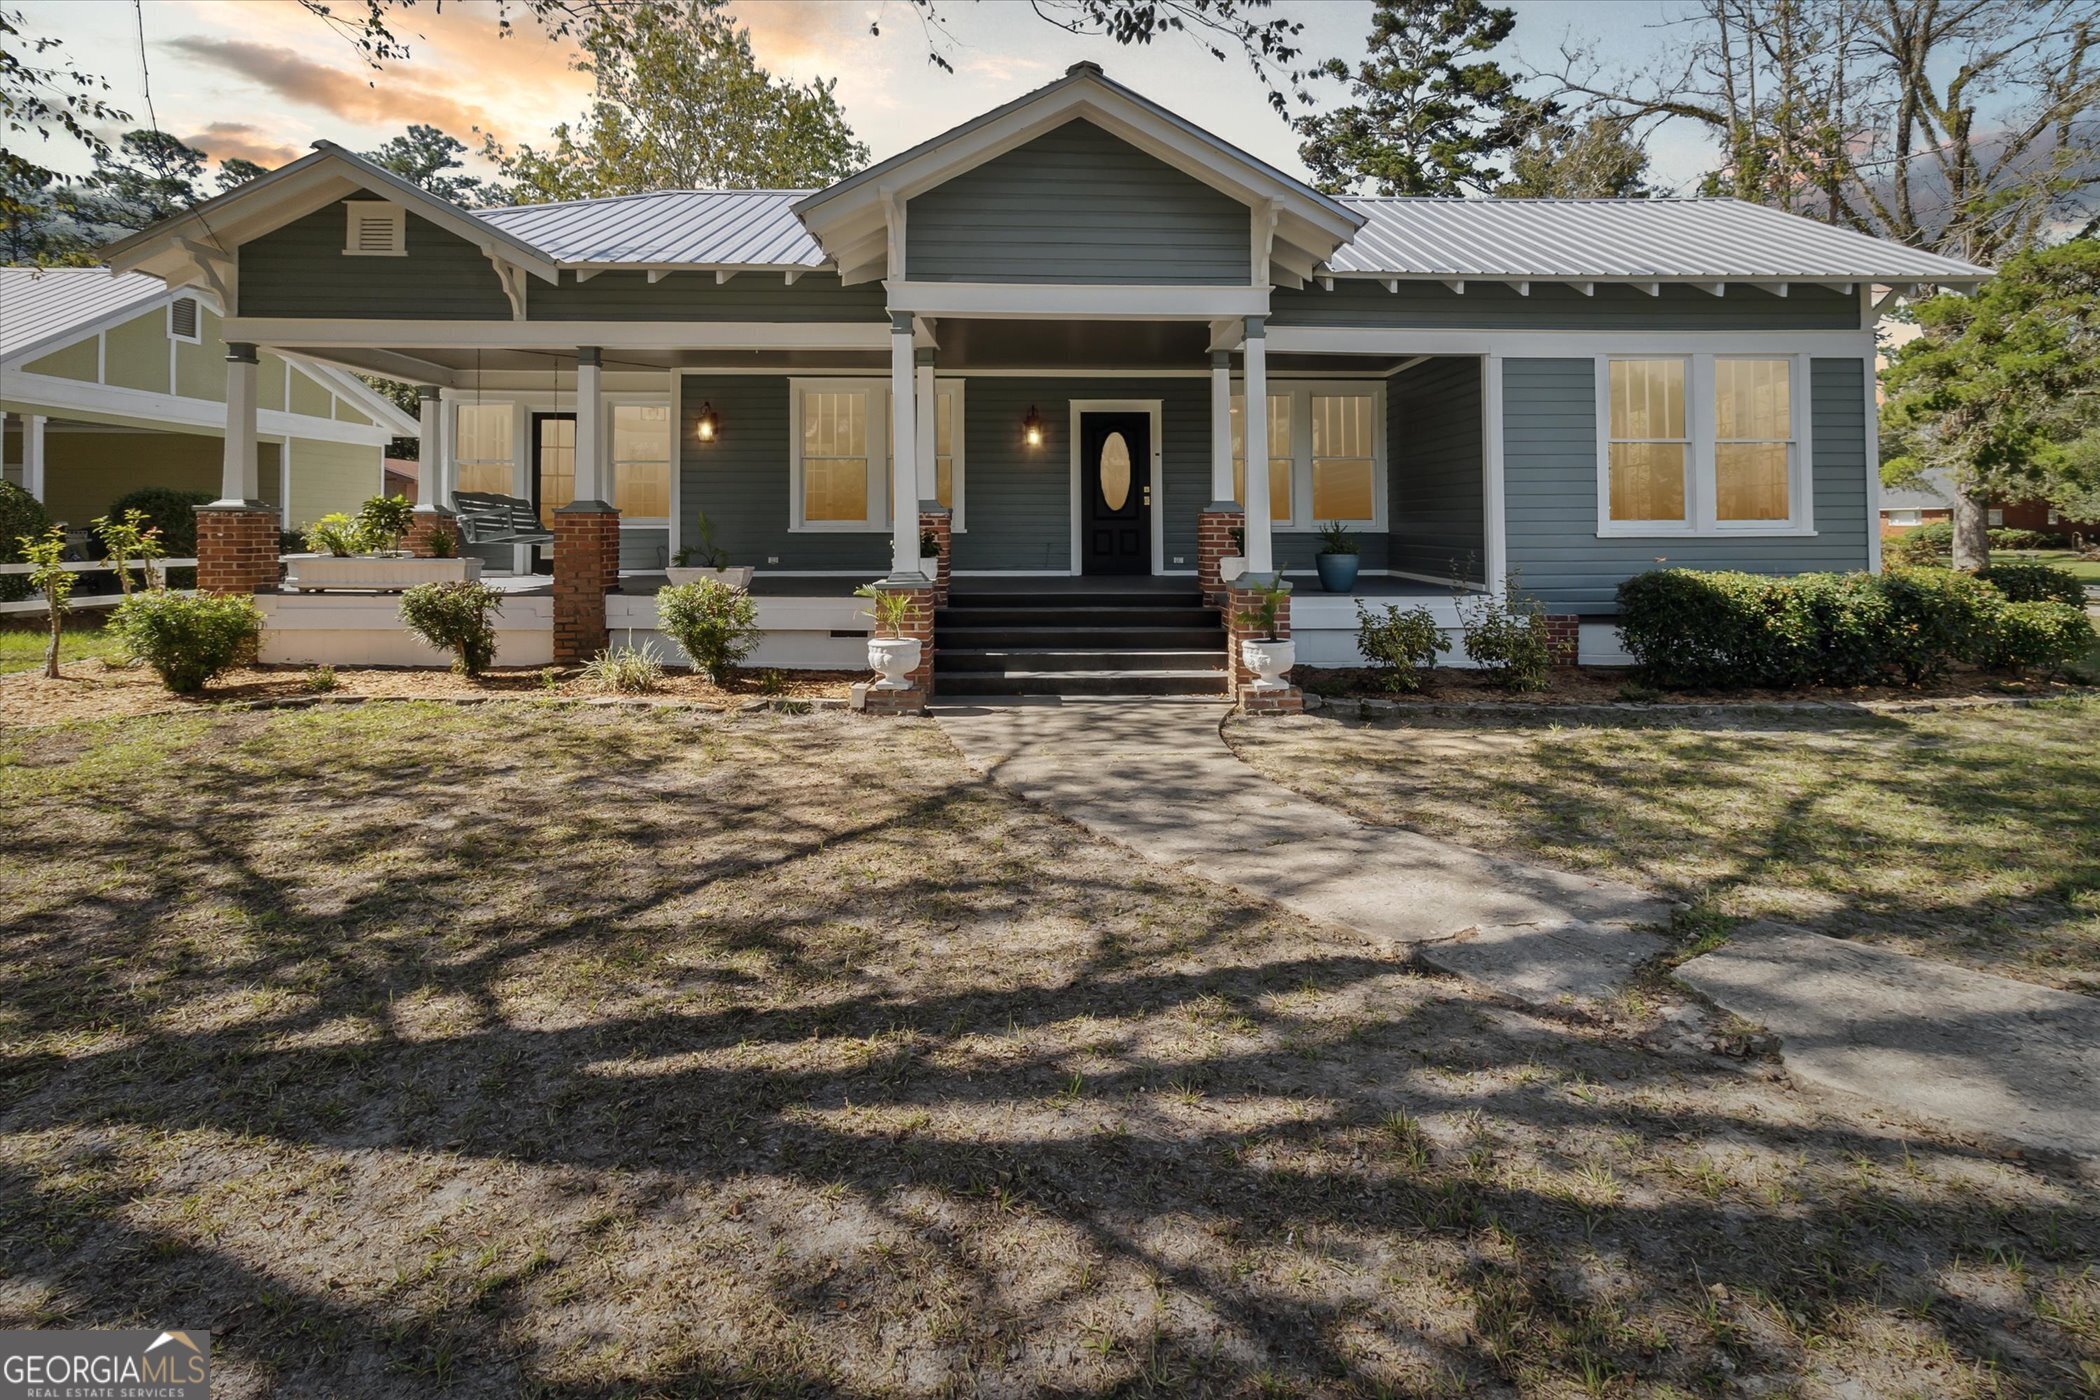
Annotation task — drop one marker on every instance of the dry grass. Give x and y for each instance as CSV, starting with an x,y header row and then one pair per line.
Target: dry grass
x,y
527,1051
1968,835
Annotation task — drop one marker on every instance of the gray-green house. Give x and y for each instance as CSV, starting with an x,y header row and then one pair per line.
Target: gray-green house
x,y
1064,319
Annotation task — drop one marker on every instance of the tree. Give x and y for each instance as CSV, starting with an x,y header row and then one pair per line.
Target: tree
x,y
683,104
421,155
149,177
1426,116
1961,126
45,100
235,172
1562,160
2000,391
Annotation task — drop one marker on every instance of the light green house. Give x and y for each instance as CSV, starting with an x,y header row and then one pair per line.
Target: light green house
x,y
110,383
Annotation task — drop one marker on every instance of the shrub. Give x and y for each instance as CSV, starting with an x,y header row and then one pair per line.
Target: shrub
x,y
335,533
2045,635
1924,544
1401,646
321,679
1936,618
455,617
1506,637
172,512
383,521
2026,582
2013,537
716,625
22,516
188,641
629,670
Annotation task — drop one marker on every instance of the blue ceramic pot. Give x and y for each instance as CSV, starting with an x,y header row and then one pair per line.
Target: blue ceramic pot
x,y
1337,571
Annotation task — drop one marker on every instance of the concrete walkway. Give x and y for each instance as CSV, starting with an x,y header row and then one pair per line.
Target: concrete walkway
x,y
1157,776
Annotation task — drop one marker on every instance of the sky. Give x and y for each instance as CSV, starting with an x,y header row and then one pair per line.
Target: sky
x,y
262,79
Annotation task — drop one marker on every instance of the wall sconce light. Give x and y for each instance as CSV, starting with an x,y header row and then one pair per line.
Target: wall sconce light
x,y
707,424
1032,428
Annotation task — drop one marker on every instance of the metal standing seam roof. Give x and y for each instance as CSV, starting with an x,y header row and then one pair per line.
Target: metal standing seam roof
x,y
44,306
711,228
1622,238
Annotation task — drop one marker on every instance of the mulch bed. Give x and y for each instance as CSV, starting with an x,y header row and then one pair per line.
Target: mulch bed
x,y
1598,685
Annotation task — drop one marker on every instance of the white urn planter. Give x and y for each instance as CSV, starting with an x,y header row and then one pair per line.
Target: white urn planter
x,y
894,659
1269,659
930,565
738,577
1231,567
380,573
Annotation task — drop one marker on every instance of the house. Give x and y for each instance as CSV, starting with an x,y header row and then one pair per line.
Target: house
x,y
1046,337
1931,498
113,383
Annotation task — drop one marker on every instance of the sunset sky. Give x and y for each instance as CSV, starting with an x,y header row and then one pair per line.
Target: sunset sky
x,y
262,79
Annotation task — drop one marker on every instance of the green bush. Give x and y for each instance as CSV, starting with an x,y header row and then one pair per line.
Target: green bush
x,y
1506,637
336,534
22,516
716,625
188,640
2013,537
1936,618
2026,582
456,617
628,670
2043,635
171,511
383,522
1401,646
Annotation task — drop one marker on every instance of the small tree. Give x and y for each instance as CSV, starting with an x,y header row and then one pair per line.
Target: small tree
x,y
132,537
55,581
1506,637
456,617
716,625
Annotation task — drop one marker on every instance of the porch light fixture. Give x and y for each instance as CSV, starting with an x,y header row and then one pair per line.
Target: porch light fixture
x,y
706,425
1032,428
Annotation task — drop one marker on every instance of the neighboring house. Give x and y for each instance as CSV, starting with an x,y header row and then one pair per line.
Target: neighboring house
x,y
401,477
112,383
1932,498
1048,321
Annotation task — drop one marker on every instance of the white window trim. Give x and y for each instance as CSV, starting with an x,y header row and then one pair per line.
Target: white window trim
x,y
878,519
1301,393
357,209
194,338
524,404
1699,504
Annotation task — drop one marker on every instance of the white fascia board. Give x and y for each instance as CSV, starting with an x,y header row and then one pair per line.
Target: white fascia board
x,y
175,413
1542,343
1049,301
361,395
560,335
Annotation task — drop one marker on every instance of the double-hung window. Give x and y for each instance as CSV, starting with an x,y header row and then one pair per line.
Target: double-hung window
x,y
641,460
1326,454
1702,444
841,453
486,449
1280,458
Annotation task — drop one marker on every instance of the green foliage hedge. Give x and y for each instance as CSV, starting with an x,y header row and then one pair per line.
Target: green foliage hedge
x,y
188,640
457,617
1724,631
175,512
1933,541
22,516
2027,582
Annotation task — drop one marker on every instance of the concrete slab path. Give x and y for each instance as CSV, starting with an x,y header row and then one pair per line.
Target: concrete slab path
x,y
1157,776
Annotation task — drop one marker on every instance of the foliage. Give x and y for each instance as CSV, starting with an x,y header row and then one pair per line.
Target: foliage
x,y
2025,582
1263,616
172,512
127,538
40,98
701,552
1998,392
1506,637
21,516
422,155
1921,544
321,679
1427,115
456,617
2044,635
55,581
627,670
889,607
1337,538
383,522
681,103
335,533
929,544
2013,537
188,640
1400,646
1559,159
716,625
235,172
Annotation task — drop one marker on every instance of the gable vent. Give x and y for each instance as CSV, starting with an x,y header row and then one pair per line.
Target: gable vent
x,y
377,229
182,319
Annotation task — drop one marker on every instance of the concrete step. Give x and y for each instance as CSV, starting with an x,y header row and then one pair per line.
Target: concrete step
x,y
1017,615
1063,636
947,659
1049,601
1080,683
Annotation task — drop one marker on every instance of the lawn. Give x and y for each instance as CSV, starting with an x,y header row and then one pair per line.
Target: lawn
x,y
22,643
528,1050
2085,570
1969,835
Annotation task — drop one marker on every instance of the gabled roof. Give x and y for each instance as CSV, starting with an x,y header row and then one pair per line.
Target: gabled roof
x,y
1624,240
47,308
671,228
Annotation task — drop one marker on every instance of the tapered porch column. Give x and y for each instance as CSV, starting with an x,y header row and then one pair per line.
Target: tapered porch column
x,y
237,534
904,452
1221,519
240,481
586,531
1261,555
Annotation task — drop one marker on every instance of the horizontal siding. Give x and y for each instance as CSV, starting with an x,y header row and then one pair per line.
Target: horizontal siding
x,y
332,476
1557,306
1437,485
644,546
1077,205
1550,489
695,296
301,270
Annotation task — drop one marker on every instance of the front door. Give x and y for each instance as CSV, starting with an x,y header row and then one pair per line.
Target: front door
x,y
553,463
1115,493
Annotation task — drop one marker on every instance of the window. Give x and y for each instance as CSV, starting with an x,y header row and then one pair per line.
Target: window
x,y
1903,517
1280,459
1993,518
1343,472
840,451
484,448
641,460
1702,444
376,229
947,448
1326,454
182,319
554,451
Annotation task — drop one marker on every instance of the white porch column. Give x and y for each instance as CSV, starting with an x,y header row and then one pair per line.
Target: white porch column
x,y
927,410
240,473
33,455
1261,556
904,452
593,481
431,494
1220,426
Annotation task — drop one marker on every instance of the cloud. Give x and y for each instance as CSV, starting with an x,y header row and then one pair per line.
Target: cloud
x,y
395,96
240,141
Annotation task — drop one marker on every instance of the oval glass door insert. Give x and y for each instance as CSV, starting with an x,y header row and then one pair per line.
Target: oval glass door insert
x,y
1115,472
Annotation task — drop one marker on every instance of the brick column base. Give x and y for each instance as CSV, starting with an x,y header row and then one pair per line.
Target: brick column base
x,y
1214,527
941,522
236,549
918,622
425,528
586,568
1288,701
1563,638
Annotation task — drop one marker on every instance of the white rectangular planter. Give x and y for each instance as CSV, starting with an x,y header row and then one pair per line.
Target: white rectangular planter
x,y
311,573
737,577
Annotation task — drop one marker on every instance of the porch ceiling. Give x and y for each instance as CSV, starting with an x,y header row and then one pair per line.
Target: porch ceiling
x,y
1070,345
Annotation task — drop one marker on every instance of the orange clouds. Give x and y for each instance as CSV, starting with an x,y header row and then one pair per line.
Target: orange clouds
x,y
395,96
240,141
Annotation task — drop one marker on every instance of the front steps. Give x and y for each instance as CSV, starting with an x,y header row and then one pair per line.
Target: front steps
x,y
1131,641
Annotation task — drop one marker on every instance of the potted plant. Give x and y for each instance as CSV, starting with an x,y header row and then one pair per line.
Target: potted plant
x,y
891,655
930,553
1235,563
364,552
1338,557
704,559
1266,654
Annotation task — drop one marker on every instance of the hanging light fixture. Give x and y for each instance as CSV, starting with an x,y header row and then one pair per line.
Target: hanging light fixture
x,y
706,425
1032,428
